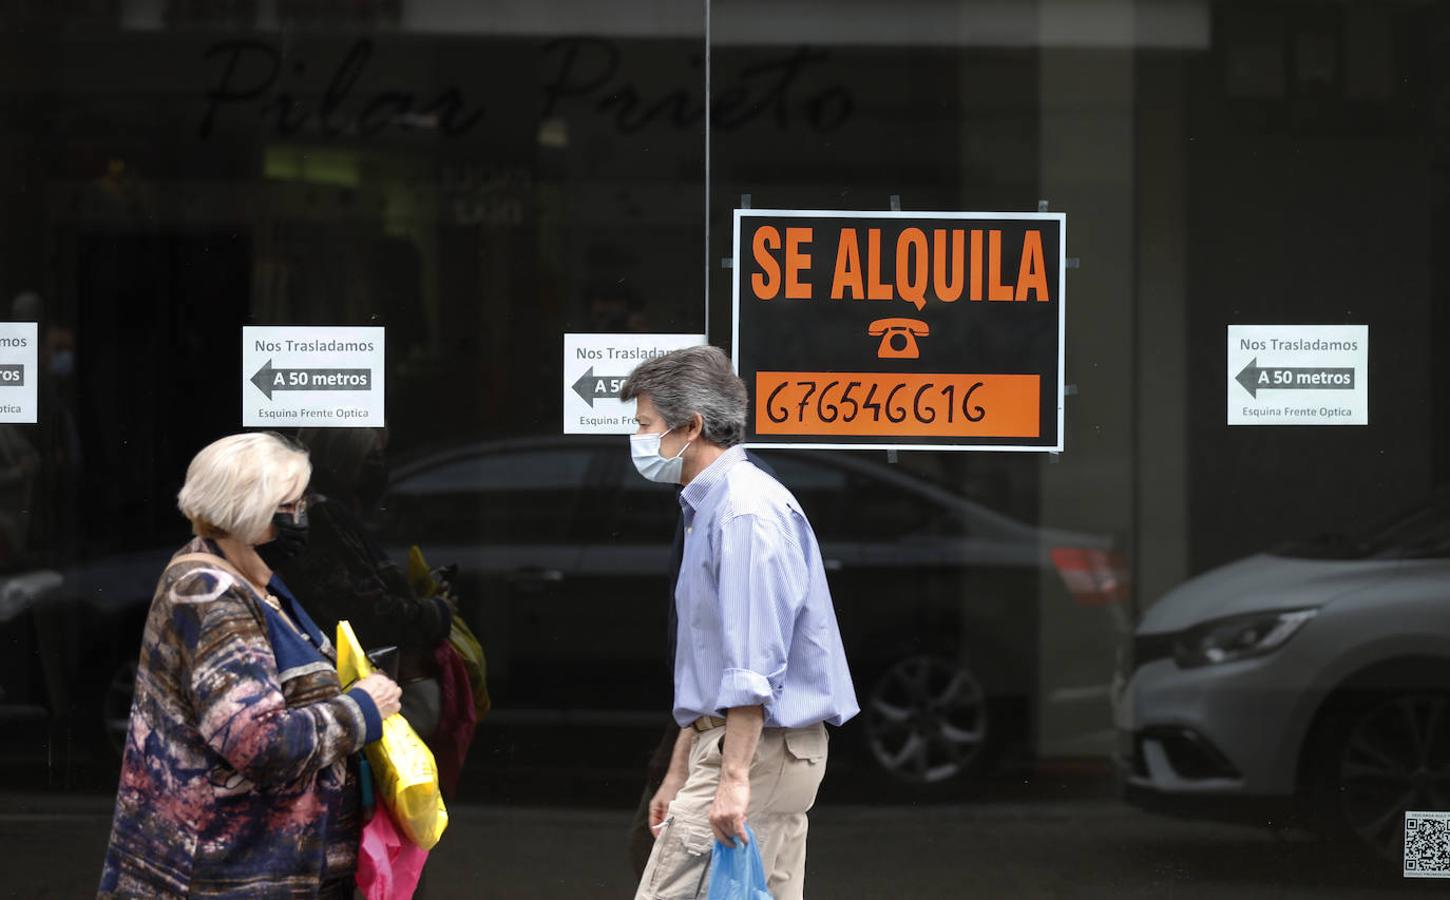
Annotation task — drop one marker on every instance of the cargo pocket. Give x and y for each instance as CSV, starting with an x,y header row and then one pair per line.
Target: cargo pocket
x,y
683,861
805,767
807,744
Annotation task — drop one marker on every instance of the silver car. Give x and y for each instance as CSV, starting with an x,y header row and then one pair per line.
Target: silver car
x,y
1312,683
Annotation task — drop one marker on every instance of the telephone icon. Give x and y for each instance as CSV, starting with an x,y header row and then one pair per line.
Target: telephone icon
x,y
898,337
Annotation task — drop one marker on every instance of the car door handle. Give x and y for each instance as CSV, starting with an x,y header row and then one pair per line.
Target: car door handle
x,y
537,574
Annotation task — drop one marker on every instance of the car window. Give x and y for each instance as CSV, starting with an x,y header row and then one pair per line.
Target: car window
x,y
847,504
508,497
883,510
803,473
531,470
641,511
819,486
1422,532
842,504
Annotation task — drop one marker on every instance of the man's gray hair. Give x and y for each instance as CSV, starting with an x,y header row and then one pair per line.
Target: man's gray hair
x,y
694,380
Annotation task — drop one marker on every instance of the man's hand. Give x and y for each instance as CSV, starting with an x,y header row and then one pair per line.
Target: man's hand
x,y
727,813
743,725
675,778
659,807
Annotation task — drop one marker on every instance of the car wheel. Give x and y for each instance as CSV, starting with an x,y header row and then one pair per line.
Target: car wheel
x,y
1392,756
116,705
926,720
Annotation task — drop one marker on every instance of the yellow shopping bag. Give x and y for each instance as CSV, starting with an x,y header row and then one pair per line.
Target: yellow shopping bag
x,y
461,636
474,662
406,773
419,575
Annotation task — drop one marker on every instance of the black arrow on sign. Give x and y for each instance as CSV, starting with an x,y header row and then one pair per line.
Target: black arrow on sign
x,y
269,379
1286,378
592,388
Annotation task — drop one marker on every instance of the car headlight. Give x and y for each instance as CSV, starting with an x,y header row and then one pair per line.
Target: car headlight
x,y
1238,637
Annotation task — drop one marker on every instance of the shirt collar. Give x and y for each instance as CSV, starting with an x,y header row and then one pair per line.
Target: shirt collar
x,y
697,490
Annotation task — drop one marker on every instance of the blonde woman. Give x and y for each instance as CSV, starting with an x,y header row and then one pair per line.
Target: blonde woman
x,y
240,773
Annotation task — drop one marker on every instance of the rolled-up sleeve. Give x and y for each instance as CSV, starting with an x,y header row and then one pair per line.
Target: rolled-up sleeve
x,y
762,584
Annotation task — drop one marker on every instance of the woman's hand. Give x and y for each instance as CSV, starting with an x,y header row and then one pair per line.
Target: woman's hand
x,y
386,694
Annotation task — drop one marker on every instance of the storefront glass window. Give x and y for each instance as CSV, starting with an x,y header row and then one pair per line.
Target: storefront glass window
x,y
1202,648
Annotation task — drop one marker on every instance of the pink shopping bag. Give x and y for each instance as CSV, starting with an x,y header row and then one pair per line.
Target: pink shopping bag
x,y
388,864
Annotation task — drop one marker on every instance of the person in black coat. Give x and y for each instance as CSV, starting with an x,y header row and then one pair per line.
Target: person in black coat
x,y
345,574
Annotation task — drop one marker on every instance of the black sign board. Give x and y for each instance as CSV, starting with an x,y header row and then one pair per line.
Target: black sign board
x,y
920,330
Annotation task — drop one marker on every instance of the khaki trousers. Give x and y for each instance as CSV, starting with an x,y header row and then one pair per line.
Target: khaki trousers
x,y
784,777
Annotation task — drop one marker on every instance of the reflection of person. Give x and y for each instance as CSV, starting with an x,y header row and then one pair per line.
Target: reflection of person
x,y
615,309
239,775
59,436
345,574
18,466
759,666
54,526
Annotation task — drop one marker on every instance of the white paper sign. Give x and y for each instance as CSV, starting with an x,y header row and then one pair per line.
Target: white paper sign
x,y
299,376
1298,375
595,366
19,354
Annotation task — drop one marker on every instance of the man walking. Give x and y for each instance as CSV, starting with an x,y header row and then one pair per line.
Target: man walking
x,y
759,667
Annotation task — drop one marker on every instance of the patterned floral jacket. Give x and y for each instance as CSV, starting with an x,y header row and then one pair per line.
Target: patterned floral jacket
x,y
238,778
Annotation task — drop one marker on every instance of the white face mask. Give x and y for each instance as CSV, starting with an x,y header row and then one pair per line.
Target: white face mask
x,y
644,449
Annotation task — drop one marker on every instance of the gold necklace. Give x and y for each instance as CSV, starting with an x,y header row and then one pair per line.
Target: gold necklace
x,y
276,604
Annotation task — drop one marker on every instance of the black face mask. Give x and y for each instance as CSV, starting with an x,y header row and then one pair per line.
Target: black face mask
x,y
290,542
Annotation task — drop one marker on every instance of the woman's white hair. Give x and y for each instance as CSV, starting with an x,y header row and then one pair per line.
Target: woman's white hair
x,y
234,485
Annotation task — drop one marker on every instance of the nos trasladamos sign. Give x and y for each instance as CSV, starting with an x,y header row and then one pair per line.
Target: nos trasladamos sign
x,y
933,330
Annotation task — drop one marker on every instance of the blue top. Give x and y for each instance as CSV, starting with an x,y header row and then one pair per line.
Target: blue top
x,y
756,623
295,652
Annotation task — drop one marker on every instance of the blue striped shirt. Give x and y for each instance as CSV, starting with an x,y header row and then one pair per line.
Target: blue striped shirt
x,y
756,623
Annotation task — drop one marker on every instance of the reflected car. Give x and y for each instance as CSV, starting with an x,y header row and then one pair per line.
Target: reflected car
x,y
27,674
72,636
1311,683
563,552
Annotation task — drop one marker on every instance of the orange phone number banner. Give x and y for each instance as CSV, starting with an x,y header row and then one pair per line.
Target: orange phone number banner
x,y
897,405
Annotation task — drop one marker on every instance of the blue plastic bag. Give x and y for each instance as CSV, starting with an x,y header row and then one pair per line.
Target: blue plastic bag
x,y
736,872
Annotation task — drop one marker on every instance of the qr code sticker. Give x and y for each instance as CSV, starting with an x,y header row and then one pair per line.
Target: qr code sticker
x,y
1427,845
